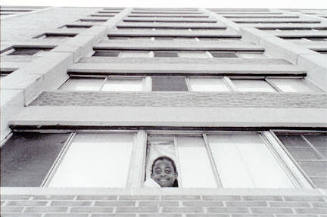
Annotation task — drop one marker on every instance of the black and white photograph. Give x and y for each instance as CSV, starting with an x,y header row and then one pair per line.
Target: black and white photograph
x,y
163,108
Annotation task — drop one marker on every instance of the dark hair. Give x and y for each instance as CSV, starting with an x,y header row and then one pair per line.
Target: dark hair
x,y
172,163
164,158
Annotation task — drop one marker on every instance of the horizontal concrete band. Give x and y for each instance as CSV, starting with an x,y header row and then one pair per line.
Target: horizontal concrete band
x,y
162,45
157,67
173,25
182,99
162,191
223,62
150,33
104,116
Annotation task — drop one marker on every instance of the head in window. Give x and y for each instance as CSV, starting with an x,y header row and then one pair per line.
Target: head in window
x,y
164,172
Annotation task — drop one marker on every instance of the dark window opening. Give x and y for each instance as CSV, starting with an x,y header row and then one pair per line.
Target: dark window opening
x,y
29,51
55,35
169,83
224,54
165,54
106,53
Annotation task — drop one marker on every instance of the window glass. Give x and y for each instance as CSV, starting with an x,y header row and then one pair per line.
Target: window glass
x,y
165,54
251,55
248,85
134,54
207,84
244,161
193,54
123,85
106,53
83,84
292,85
95,160
196,171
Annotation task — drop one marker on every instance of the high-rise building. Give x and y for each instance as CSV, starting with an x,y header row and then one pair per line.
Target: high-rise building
x,y
178,112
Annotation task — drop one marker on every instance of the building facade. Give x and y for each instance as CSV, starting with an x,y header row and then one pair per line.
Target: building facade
x,y
92,97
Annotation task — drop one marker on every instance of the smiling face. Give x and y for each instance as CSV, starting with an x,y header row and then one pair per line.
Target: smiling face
x,y
163,172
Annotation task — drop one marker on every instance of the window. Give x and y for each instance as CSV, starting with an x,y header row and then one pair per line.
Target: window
x,y
165,54
72,26
111,83
95,160
169,83
55,36
29,51
193,54
4,73
208,84
93,20
106,53
223,54
293,85
309,150
134,54
251,85
215,159
223,159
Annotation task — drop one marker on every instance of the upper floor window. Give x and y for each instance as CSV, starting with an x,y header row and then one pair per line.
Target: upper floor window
x,y
110,83
190,83
28,51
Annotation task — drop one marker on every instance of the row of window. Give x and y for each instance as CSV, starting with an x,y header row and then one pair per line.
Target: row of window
x,y
313,38
180,29
130,20
186,54
191,83
225,159
175,38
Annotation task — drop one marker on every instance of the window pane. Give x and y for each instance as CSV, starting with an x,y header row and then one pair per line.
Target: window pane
x,y
252,85
193,54
251,55
123,85
313,164
224,54
168,83
292,85
134,54
207,84
83,84
27,157
244,161
95,160
165,54
196,171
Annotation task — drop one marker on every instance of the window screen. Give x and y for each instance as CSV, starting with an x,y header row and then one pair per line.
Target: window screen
x,y
310,152
208,84
26,158
95,160
168,83
244,161
249,85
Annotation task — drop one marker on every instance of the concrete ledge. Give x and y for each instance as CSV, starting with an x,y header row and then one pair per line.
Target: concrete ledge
x,y
184,68
156,191
168,116
177,45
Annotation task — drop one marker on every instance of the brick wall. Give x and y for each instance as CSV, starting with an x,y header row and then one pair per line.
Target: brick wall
x,y
163,205
182,99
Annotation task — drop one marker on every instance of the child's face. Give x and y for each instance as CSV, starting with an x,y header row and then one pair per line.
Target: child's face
x,y
163,173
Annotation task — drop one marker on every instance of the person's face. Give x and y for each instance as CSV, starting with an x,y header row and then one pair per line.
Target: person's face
x,y
163,173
